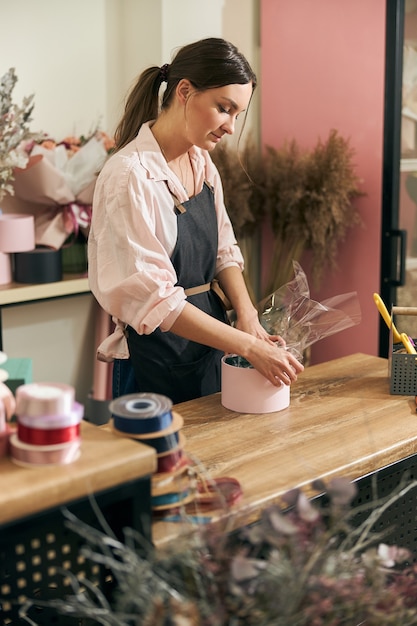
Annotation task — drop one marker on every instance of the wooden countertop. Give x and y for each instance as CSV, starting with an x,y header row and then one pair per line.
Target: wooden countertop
x,y
341,420
105,461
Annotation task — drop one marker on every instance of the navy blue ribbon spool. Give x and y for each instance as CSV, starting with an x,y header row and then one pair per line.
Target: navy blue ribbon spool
x,y
141,413
163,440
162,444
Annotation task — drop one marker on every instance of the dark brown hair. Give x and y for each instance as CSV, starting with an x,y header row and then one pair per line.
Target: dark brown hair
x,y
208,64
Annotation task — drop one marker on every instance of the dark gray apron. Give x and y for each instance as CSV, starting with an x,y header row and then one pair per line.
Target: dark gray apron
x,y
164,362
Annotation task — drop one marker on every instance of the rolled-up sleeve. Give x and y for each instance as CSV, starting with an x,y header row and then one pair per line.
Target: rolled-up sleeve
x,y
130,271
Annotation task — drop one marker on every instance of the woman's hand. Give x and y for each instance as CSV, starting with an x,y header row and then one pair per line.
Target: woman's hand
x,y
274,362
251,325
7,401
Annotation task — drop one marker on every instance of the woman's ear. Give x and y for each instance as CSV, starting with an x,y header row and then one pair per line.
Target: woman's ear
x,y
184,89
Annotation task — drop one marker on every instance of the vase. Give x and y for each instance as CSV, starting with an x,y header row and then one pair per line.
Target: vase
x,y
74,255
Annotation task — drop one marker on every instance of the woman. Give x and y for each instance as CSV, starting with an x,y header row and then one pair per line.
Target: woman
x,y
160,234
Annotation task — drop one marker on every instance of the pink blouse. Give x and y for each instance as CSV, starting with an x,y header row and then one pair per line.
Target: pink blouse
x,y
133,234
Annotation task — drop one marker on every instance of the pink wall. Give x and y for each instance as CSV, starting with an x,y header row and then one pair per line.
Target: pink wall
x,y
322,67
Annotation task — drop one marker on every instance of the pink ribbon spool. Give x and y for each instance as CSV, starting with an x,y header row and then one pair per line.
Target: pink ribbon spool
x,y
30,455
51,422
17,232
41,399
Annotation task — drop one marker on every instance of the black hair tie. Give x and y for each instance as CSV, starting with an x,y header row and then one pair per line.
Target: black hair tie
x,y
163,72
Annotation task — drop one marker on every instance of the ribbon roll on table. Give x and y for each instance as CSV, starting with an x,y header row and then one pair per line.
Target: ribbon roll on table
x,y
171,460
172,482
164,440
172,501
47,436
54,421
42,399
218,492
141,413
29,455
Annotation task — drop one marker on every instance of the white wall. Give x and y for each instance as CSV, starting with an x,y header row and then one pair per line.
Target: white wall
x,y
79,58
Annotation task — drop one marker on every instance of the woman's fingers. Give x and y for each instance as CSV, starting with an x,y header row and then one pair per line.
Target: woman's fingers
x,y
7,399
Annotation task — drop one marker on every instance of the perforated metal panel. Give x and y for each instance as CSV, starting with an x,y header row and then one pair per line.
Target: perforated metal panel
x,y
403,374
399,521
34,552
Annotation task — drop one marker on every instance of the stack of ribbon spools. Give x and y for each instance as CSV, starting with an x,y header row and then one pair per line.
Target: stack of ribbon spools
x,y
48,425
5,428
148,418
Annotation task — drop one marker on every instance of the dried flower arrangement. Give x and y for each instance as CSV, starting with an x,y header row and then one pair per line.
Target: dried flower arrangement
x,y
307,196
243,200
304,564
14,129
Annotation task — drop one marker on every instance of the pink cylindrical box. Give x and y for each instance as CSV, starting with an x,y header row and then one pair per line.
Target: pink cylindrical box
x,y
17,232
6,273
245,390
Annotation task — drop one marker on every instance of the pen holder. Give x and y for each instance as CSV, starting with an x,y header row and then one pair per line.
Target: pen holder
x,y
402,366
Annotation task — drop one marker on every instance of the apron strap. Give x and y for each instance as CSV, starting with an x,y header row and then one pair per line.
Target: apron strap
x,y
193,291
214,286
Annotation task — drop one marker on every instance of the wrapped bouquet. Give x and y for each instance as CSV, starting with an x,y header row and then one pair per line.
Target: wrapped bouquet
x,y
289,311
58,182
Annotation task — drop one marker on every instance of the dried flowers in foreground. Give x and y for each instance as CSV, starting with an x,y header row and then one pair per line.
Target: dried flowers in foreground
x,y
304,564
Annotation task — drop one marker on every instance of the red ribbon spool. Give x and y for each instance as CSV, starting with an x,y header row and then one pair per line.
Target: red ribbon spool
x,y
47,437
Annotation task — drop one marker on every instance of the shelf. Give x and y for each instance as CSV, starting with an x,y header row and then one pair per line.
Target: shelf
x,y
70,285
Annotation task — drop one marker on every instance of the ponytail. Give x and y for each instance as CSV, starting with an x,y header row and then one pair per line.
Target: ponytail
x,y
142,105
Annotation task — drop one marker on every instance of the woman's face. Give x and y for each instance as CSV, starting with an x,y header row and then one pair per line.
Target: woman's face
x,y
213,113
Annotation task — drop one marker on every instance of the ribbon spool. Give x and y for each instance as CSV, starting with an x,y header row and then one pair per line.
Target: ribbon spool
x,y
171,460
51,422
175,481
47,436
44,399
29,455
171,501
48,425
218,492
164,440
141,413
